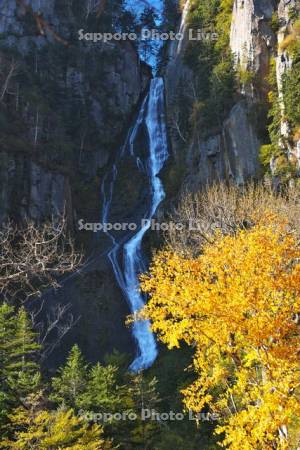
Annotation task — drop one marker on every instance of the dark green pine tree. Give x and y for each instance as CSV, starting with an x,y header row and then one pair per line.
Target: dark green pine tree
x,y
144,396
70,383
144,392
102,393
6,336
19,370
23,368
7,328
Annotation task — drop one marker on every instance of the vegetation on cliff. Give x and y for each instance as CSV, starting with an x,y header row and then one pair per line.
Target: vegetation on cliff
x,y
211,61
279,156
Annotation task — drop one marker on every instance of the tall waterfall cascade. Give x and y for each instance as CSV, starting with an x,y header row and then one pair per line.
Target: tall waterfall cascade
x,y
126,254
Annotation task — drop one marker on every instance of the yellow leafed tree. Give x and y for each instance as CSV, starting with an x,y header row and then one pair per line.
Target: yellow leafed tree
x,y
46,430
238,305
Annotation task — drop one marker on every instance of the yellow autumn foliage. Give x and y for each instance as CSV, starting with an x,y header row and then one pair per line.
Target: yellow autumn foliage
x,y
237,305
291,41
45,430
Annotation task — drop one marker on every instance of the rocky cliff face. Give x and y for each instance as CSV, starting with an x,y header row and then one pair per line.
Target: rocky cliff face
x,y
231,149
252,42
230,155
32,191
261,32
252,39
284,64
65,105
176,70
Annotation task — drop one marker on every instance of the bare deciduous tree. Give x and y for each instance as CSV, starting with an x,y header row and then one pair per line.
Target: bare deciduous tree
x,y
227,209
32,258
175,124
52,326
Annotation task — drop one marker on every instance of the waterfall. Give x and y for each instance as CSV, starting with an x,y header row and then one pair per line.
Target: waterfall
x,y
182,28
125,253
176,46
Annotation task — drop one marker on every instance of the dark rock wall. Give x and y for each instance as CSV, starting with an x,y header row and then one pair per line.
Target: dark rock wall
x,y
65,110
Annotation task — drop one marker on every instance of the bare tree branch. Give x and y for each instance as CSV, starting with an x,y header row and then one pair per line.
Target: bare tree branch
x,y
227,209
32,258
7,77
52,328
175,123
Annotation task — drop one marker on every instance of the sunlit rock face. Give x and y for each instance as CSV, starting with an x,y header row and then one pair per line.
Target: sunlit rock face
x,y
249,29
284,63
252,39
229,151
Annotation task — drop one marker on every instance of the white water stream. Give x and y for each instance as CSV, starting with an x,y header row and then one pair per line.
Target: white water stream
x,y
126,252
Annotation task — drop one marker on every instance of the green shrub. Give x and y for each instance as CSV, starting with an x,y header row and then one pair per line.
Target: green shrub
x,y
291,94
246,77
274,114
211,62
275,23
266,152
293,13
